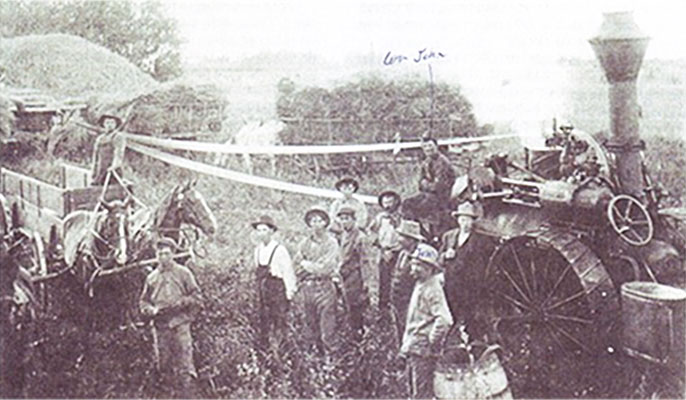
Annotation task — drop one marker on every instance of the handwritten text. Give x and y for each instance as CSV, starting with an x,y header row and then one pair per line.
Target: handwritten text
x,y
424,54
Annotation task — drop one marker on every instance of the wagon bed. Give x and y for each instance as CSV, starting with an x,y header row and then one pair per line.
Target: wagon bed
x,y
40,207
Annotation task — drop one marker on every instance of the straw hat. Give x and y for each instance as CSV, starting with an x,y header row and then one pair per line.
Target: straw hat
x,y
317,210
427,254
411,229
347,179
265,220
104,117
395,195
465,208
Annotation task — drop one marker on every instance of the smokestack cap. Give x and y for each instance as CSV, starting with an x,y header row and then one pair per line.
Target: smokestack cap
x,y
620,46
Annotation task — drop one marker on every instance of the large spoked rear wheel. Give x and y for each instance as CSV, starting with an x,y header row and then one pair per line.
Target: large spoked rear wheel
x,y
551,303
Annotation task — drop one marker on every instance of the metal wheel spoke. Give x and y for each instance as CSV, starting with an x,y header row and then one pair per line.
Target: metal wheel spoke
x,y
569,299
521,272
555,337
627,212
557,283
571,337
635,234
514,301
516,286
534,288
618,214
640,222
570,318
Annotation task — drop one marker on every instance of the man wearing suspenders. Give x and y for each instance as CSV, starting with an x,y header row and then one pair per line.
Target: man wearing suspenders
x,y
276,280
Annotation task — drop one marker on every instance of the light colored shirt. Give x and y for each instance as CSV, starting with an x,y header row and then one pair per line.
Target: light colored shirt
x,y
167,288
383,229
281,265
359,207
428,317
322,254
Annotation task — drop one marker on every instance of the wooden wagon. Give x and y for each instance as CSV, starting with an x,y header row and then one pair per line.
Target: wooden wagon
x,y
38,208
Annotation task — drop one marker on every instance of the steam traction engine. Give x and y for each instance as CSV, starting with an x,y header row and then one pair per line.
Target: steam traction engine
x,y
573,224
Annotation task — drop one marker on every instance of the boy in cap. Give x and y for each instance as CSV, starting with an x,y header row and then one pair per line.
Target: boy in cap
x,y
171,297
402,282
353,257
317,263
428,321
464,255
384,236
348,186
108,150
276,280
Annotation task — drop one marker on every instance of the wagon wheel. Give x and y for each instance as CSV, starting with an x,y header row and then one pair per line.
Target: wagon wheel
x,y
32,260
551,302
630,219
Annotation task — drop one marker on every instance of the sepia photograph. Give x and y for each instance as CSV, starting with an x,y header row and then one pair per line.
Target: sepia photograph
x,y
381,199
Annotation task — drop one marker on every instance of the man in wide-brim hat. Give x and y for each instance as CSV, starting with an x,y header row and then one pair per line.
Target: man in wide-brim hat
x,y
317,265
276,281
108,150
348,186
409,236
464,255
428,321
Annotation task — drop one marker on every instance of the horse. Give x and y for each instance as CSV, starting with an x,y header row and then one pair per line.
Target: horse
x,y
255,133
183,205
18,307
96,242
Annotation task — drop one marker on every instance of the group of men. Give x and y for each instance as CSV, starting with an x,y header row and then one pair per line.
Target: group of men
x,y
422,291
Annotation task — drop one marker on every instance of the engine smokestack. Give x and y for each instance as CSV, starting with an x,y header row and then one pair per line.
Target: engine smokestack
x,y
620,46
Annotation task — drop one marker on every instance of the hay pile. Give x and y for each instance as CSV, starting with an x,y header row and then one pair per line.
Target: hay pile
x,y
174,107
67,65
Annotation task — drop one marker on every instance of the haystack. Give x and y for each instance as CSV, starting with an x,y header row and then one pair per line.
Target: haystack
x,y
174,107
66,65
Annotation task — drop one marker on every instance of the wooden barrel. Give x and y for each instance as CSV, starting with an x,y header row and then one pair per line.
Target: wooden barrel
x,y
653,317
483,379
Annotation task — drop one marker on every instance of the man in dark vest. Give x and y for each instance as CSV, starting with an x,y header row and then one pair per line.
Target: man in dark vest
x,y
464,255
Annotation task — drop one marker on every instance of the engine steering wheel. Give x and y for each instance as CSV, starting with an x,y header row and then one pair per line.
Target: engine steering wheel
x,y
630,219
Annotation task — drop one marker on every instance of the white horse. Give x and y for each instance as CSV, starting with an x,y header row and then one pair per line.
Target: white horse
x,y
255,133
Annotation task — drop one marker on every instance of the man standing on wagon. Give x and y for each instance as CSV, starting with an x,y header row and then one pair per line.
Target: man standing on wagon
x,y
171,297
383,235
275,279
108,151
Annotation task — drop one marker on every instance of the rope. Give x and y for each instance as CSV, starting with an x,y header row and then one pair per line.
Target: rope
x,y
244,178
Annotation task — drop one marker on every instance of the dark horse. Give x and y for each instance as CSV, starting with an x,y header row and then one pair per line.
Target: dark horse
x,y
17,308
181,207
95,247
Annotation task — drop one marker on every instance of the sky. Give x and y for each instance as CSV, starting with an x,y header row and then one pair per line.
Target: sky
x,y
503,53
494,29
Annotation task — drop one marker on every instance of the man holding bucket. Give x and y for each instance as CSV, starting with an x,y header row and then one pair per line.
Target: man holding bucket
x,y
428,321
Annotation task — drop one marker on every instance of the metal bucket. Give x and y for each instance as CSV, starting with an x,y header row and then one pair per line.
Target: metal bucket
x,y
654,326
483,379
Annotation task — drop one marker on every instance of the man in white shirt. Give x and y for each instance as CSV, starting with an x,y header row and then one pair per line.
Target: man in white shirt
x,y
275,279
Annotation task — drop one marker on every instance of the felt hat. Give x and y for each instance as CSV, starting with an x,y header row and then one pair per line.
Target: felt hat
x,y
103,117
317,210
346,210
411,229
347,179
465,208
427,254
165,242
395,195
265,220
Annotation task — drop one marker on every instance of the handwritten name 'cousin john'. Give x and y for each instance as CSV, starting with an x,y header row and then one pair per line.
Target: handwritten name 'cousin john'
x,y
422,55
